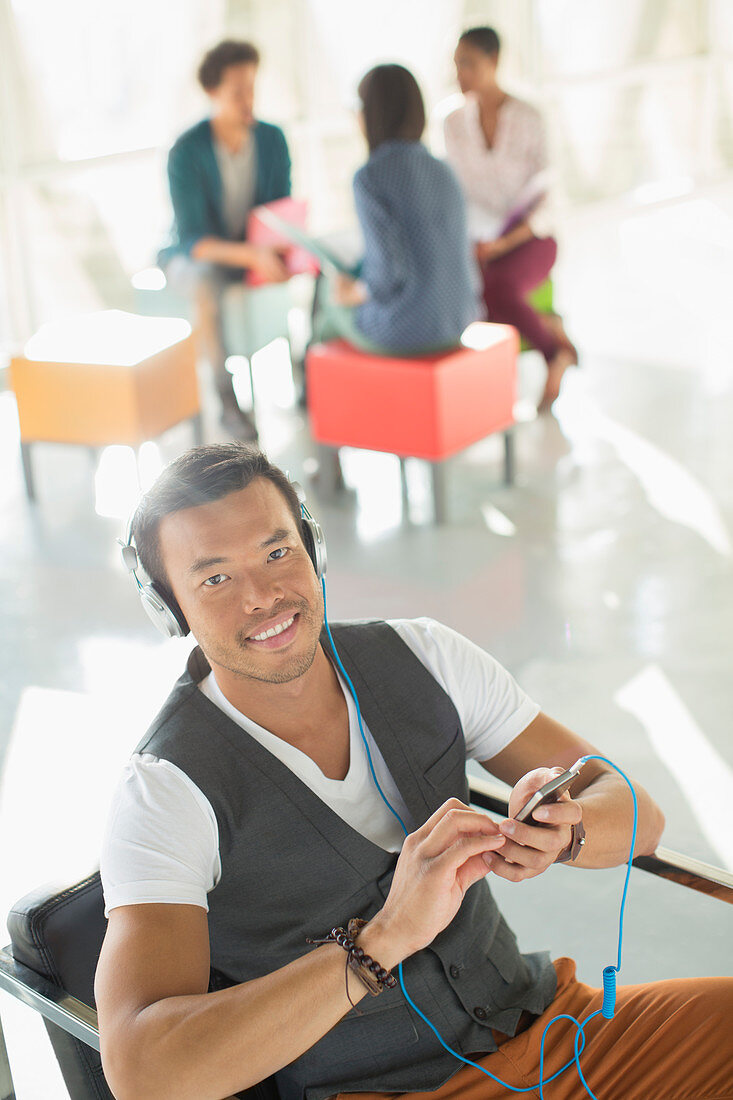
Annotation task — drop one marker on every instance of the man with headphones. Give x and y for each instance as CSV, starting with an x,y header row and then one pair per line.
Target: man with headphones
x,y
256,879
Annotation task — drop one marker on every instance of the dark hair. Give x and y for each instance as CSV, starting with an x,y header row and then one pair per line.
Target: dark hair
x,y
483,38
200,476
229,52
392,104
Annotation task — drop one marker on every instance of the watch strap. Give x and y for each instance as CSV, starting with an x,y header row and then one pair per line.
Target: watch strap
x,y
577,840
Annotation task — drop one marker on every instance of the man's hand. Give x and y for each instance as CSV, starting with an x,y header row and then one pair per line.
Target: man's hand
x,y
533,845
267,262
437,865
605,799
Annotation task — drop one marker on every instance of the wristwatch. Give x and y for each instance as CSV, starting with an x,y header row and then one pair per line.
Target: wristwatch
x,y
577,840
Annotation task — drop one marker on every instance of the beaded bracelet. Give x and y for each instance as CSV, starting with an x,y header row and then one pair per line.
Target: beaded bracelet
x,y
369,972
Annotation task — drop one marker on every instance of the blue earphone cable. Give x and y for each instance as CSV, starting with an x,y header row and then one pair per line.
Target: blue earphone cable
x,y
346,677
609,973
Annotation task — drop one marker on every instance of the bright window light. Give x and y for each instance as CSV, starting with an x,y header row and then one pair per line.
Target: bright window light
x,y
661,190
481,335
497,522
110,336
117,485
150,278
702,774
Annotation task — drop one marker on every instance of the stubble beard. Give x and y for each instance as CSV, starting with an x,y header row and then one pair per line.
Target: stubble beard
x,y
311,619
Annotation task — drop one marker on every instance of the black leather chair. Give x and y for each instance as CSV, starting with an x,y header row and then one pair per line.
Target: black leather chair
x,y
56,936
55,939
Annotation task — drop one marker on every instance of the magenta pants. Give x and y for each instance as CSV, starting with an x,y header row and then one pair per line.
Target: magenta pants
x,y
507,282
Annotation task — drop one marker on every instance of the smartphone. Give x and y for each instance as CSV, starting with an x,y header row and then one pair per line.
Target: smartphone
x,y
550,792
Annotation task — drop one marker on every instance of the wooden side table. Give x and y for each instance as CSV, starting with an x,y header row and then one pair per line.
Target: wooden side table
x,y
104,378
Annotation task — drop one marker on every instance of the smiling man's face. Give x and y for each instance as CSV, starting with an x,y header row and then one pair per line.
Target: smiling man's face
x,y
242,576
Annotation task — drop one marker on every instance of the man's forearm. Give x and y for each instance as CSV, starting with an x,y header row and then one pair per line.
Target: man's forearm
x,y
216,250
608,819
212,1044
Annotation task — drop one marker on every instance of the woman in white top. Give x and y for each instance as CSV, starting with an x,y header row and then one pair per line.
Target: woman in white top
x,y
496,145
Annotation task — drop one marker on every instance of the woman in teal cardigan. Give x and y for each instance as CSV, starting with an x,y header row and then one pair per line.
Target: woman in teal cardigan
x,y
217,171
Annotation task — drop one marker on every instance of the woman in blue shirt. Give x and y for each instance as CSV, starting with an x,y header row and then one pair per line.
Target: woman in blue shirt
x,y
415,293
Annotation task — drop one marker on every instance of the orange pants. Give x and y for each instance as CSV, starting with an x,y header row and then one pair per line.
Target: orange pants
x,y
669,1040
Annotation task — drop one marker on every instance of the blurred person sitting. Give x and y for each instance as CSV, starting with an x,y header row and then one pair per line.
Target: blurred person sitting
x,y
415,293
217,171
496,144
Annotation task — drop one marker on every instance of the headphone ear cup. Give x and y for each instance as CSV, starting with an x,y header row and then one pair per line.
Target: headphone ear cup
x,y
165,616
308,541
315,544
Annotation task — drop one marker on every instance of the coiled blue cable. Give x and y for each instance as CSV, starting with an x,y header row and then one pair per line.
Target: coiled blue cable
x,y
609,992
609,973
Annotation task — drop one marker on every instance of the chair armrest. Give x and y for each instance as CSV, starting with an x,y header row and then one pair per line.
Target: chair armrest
x,y
50,1000
490,794
687,871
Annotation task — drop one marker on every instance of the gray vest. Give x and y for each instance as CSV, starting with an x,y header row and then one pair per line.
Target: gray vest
x,y
293,868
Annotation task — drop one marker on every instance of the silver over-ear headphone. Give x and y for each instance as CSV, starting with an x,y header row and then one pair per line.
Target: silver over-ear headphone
x,y
164,613
162,609
312,532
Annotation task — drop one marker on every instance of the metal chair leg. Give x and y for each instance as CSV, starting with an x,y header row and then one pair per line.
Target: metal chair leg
x,y
404,488
439,496
30,485
509,456
251,383
7,1089
329,477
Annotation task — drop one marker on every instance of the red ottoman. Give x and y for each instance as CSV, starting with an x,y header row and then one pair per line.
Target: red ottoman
x,y
429,408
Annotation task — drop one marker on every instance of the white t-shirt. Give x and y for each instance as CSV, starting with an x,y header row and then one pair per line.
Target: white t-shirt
x,y
161,843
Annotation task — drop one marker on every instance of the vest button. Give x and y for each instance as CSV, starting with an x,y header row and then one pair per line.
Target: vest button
x,y
454,971
480,1013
